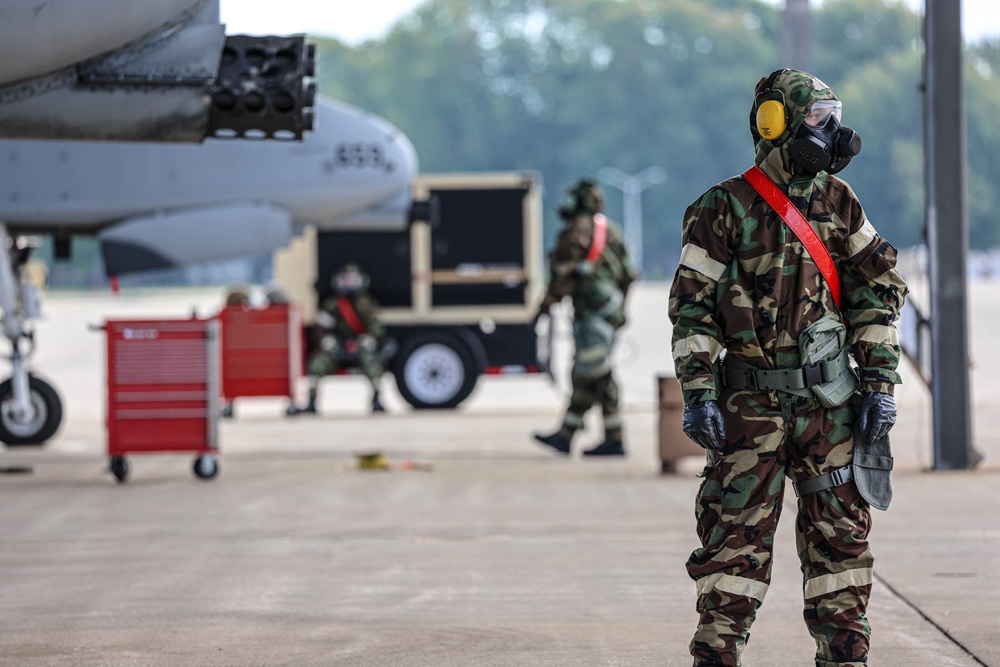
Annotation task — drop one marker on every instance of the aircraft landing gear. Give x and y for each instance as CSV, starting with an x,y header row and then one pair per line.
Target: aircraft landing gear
x,y
30,408
36,424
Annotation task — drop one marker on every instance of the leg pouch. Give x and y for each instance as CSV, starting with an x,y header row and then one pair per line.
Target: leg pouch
x,y
872,466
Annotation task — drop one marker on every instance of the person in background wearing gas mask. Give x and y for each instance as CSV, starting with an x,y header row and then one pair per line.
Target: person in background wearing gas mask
x,y
591,265
352,336
764,329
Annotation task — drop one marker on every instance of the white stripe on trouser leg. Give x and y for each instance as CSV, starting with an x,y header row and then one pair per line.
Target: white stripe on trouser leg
x,y
727,583
837,581
612,421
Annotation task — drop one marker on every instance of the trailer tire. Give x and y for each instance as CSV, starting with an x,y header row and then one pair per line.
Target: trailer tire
x,y
435,370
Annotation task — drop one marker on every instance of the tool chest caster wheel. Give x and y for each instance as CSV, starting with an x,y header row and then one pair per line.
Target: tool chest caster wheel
x,y
119,468
205,467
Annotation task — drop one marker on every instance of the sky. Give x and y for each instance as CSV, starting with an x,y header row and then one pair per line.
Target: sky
x,y
372,18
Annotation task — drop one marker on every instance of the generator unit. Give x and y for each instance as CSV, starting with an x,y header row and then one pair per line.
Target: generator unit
x,y
458,293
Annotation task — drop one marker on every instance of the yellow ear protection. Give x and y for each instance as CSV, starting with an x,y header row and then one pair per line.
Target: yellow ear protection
x,y
770,116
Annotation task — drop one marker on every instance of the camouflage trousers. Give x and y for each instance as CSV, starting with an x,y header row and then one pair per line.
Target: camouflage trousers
x,y
592,377
769,436
587,392
325,362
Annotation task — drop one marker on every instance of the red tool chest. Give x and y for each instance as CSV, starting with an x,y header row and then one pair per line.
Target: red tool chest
x,y
163,391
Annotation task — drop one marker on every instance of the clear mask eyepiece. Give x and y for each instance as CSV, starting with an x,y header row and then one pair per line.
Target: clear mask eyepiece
x,y
348,281
821,111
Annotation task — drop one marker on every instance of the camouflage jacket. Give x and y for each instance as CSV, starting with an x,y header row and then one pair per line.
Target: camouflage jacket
x,y
746,284
366,309
612,274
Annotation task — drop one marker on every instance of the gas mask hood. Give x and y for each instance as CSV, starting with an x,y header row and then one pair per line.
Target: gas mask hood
x,y
797,115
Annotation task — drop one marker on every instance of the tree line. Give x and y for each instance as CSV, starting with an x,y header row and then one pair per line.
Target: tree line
x,y
566,87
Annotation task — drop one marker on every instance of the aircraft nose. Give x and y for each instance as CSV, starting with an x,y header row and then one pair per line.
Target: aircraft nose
x,y
365,146
372,166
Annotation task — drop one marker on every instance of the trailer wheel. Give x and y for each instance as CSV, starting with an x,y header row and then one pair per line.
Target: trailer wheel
x,y
119,468
435,370
45,414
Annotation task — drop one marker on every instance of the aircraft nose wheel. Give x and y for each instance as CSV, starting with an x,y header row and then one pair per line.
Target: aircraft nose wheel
x,y
42,419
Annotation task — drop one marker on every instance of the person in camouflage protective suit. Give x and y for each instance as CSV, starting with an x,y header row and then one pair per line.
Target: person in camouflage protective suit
x,y
591,265
747,291
353,335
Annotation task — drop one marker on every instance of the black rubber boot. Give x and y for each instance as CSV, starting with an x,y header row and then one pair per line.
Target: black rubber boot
x,y
607,448
377,404
556,441
294,410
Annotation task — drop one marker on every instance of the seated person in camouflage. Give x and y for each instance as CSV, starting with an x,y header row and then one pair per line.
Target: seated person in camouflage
x,y
591,265
353,336
762,343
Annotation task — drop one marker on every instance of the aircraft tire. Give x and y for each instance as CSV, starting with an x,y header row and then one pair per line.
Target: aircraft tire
x,y
45,420
435,370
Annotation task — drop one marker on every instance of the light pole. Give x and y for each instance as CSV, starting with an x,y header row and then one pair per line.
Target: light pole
x,y
632,187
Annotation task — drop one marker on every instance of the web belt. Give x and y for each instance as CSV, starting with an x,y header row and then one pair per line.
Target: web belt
x,y
757,379
827,481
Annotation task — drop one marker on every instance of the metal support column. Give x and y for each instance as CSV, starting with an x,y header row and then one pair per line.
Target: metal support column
x,y
947,235
796,36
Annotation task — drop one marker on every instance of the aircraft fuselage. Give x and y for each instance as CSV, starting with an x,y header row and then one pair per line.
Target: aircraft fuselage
x,y
350,162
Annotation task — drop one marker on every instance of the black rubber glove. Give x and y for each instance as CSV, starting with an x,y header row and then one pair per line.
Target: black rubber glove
x,y
876,415
702,422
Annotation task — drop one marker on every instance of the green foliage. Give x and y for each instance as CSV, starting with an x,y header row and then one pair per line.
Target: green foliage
x,y
982,94
849,33
567,87
888,175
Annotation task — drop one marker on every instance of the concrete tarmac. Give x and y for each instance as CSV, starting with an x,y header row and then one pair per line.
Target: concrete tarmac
x,y
478,548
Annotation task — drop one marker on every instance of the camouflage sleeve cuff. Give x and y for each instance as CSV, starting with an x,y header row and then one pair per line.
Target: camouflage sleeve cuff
x,y
699,389
878,388
881,380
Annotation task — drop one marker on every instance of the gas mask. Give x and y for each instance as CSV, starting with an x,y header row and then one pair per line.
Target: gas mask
x,y
822,143
584,197
349,280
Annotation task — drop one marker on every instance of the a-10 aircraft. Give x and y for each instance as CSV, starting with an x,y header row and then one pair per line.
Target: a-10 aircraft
x,y
131,128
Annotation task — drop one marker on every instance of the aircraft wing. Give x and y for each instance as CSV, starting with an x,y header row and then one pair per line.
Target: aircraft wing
x,y
156,70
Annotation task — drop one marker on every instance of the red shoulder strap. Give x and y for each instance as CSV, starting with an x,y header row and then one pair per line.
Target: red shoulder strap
x,y
600,238
783,206
347,310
